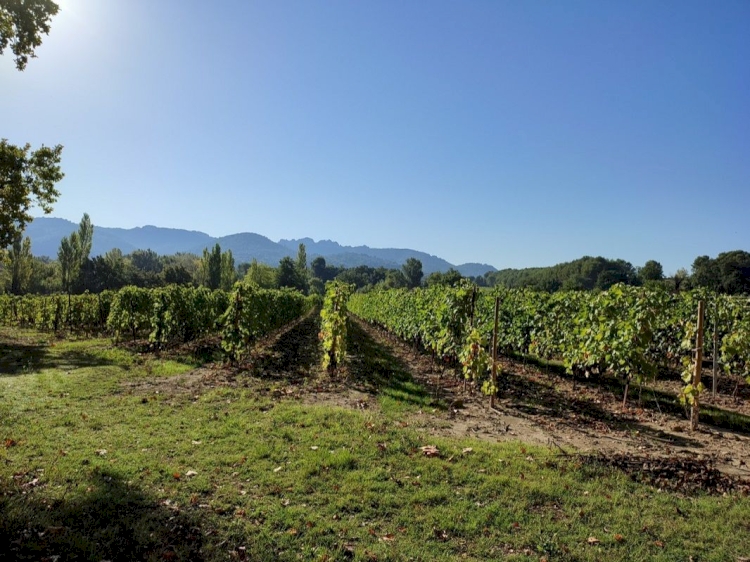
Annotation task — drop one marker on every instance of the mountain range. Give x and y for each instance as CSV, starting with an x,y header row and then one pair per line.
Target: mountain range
x,y
46,233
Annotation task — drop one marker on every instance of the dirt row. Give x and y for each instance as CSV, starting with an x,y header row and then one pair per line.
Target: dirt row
x,y
548,408
535,405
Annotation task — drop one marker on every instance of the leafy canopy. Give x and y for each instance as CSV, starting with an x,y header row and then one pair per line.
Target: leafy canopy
x,y
22,23
26,178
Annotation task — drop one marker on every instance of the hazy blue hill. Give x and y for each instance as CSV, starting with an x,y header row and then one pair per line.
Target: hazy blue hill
x,y
46,233
161,240
351,259
474,269
248,246
396,257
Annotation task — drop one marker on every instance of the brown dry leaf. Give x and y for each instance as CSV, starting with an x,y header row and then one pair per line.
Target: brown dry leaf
x,y
292,531
619,537
430,451
10,443
371,531
593,540
660,544
176,475
387,537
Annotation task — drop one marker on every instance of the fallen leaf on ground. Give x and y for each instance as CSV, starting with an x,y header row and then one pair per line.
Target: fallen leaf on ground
x,y
430,451
593,540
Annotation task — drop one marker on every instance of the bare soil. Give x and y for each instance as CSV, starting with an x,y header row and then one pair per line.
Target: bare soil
x,y
545,407
535,405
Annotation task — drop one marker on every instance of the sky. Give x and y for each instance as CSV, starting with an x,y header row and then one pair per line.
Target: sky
x,y
514,133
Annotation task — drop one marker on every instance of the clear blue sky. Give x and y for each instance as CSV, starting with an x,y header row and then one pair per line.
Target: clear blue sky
x,y
515,133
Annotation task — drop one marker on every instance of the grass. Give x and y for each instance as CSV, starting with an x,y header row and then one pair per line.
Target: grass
x,y
103,460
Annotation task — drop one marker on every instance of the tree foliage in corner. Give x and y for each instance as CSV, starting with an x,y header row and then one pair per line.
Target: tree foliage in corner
x,y
26,178
22,23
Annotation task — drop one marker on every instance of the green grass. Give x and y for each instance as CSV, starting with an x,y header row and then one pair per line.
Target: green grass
x,y
98,451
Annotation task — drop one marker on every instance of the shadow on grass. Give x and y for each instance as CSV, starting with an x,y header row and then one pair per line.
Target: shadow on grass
x,y
110,521
373,369
21,358
646,398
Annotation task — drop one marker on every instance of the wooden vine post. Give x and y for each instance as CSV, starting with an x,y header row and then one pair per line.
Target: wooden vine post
x,y
695,408
716,346
494,354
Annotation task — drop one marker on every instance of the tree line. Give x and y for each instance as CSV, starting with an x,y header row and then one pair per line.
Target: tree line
x,y
75,271
728,273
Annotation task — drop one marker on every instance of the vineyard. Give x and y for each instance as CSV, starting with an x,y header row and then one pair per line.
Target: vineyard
x,y
631,332
164,316
322,436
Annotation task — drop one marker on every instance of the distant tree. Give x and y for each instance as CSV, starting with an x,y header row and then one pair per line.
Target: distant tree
x,y
318,267
734,272
44,277
395,279
85,240
261,274
210,267
26,179
228,273
681,280
302,258
22,23
575,283
176,274
146,261
450,278
651,271
85,237
705,273
304,274
361,276
68,258
317,286
412,271
288,275
103,273
115,263
20,265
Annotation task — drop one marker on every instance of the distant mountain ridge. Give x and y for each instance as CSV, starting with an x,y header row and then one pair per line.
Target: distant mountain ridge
x,y
46,233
